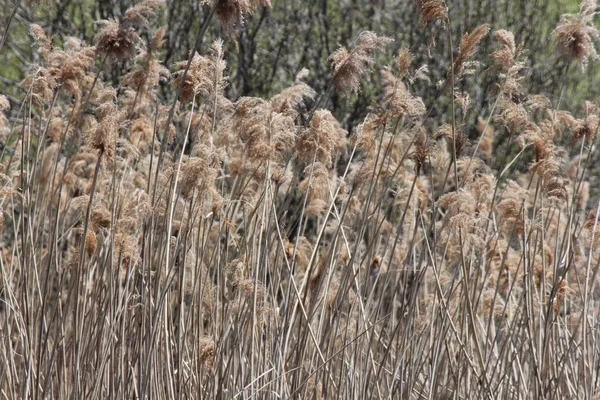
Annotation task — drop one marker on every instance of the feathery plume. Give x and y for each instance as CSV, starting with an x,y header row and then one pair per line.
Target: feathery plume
x,y
396,95
206,351
486,145
4,106
266,134
468,47
456,137
431,9
350,67
204,77
321,140
576,34
232,13
147,72
506,56
422,147
117,39
292,101
41,40
104,136
587,127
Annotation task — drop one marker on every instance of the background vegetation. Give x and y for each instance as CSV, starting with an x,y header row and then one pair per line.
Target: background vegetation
x,y
274,44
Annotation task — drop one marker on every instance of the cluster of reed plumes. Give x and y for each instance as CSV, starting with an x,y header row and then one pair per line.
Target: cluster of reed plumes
x,y
205,247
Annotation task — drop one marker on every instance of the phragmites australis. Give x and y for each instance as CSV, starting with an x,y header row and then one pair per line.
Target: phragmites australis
x,y
486,141
510,207
467,48
397,97
4,103
200,172
104,135
4,106
506,61
321,139
316,187
459,207
65,68
71,65
461,224
265,133
457,139
431,9
292,101
41,83
514,116
587,127
576,34
349,67
268,230
232,13
300,251
507,54
118,39
421,149
546,163
207,351
44,44
403,62
147,72
204,77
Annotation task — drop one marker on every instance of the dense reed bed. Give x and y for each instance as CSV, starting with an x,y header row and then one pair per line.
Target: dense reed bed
x,y
199,246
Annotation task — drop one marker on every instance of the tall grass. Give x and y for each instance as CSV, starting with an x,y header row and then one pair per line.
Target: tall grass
x,y
206,247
